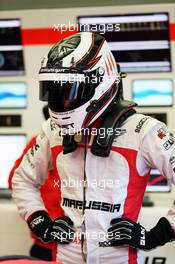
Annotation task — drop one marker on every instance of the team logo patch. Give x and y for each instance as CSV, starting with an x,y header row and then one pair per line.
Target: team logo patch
x,y
37,221
63,49
33,149
172,160
92,205
142,238
161,133
140,124
53,126
105,244
167,145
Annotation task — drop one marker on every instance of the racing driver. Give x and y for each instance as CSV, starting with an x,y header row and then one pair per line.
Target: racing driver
x,y
93,135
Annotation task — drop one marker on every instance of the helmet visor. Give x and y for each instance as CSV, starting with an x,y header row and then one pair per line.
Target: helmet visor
x,y
65,96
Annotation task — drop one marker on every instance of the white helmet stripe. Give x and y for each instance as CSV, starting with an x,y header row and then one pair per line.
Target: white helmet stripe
x,y
89,57
80,51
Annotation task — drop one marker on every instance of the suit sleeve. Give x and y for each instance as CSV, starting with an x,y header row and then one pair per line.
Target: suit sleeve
x,y
18,161
30,175
158,149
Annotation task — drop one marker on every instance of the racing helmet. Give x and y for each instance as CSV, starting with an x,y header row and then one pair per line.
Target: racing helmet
x,y
78,79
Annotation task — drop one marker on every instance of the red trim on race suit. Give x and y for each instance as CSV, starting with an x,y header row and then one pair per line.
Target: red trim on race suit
x,y
54,251
55,152
132,257
51,195
136,182
51,199
18,161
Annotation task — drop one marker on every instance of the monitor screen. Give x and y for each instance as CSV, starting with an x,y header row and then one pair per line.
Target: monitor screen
x,y
155,92
13,95
11,49
12,146
157,183
139,42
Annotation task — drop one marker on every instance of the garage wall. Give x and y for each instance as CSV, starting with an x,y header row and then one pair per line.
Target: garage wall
x,y
45,4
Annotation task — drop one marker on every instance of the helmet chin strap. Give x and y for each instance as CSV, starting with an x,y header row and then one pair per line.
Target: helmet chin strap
x,y
113,118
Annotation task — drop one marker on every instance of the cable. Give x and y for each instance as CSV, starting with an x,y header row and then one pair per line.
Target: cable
x,y
84,197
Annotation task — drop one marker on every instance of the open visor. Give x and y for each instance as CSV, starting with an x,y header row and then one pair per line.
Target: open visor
x,y
68,94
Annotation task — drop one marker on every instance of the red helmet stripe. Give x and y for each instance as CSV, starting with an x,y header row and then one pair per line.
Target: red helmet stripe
x,y
107,68
112,60
110,64
95,59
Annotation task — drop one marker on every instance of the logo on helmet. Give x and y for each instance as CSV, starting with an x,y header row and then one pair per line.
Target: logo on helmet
x,y
62,49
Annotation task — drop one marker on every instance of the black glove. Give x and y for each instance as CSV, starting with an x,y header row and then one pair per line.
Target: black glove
x,y
59,230
126,232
